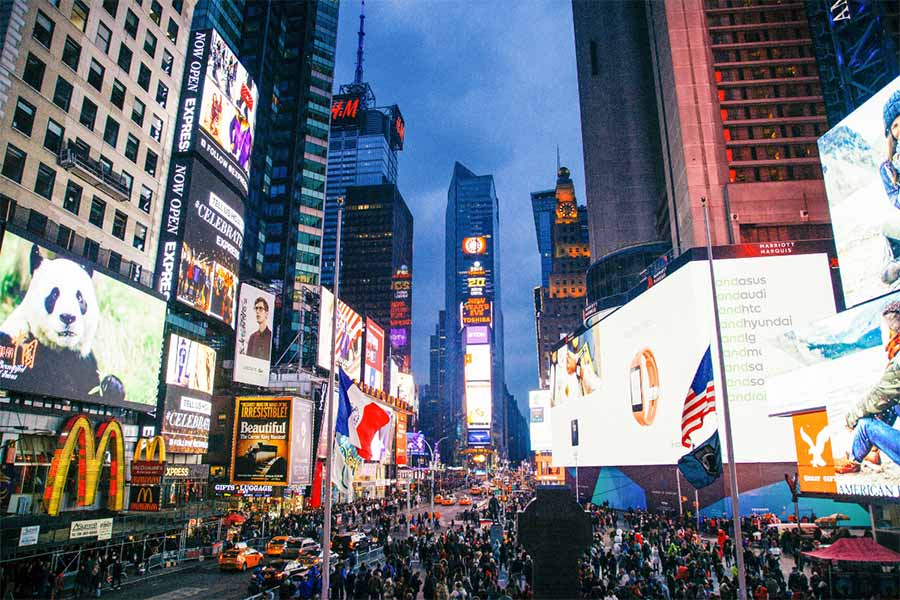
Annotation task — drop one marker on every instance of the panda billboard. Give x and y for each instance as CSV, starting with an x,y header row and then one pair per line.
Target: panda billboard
x,y
68,331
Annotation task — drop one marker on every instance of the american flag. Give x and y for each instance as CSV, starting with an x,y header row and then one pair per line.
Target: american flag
x,y
700,401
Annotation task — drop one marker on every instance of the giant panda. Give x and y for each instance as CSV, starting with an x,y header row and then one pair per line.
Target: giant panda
x,y
60,311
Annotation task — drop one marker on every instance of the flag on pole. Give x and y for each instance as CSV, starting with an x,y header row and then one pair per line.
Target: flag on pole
x,y
700,401
359,418
703,465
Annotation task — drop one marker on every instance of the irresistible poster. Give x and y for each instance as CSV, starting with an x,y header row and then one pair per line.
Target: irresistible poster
x,y
262,440
69,331
190,373
374,365
253,346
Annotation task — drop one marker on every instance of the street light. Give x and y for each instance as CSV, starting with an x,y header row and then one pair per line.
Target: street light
x,y
433,466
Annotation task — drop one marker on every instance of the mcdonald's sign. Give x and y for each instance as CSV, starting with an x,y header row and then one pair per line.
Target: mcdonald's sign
x,y
91,446
145,469
144,498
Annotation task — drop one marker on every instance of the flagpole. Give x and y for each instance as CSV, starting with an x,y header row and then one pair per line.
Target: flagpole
x,y
726,417
678,483
329,451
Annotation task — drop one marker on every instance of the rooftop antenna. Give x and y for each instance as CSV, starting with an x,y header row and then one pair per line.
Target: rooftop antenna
x,y
557,157
358,78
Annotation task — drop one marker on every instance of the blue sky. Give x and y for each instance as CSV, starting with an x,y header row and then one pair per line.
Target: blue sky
x,y
492,85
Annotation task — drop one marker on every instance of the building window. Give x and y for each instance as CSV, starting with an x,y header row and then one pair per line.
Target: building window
x,y
162,93
62,95
91,250
115,261
131,24
155,12
111,6
53,137
167,62
137,112
95,75
98,212
71,53
111,132
125,56
140,236
23,118
43,29
178,5
44,182
145,202
80,12
88,114
117,96
37,223
106,165
34,71
150,44
72,199
129,181
172,31
64,237
144,77
104,37
14,163
156,126
150,162
131,148
120,221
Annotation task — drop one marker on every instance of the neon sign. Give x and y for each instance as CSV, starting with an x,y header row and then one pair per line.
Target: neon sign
x,y
79,434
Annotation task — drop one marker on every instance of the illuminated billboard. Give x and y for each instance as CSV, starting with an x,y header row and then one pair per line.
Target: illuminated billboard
x,y
476,311
628,376
190,374
301,469
477,334
69,331
478,437
401,314
478,404
833,377
539,420
398,128
373,368
253,345
345,109
262,440
474,245
860,163
348,343
478,363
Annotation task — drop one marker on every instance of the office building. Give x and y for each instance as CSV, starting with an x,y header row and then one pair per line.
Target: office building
x,y
559,305
225,16
88,101
543,205
474,316
288,48
376,258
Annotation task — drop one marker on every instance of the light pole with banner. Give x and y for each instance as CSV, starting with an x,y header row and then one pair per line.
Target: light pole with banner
x,y
437,446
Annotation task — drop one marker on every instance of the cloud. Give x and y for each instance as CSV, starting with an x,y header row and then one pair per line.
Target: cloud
x,y
492,85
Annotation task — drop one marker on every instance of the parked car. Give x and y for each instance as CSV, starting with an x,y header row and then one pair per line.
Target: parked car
x,y
240,558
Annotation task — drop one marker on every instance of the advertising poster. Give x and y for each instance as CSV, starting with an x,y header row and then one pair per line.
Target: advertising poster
x,y
348,345
144,498
190,374
301,442
228,111
405,386
401,439
99,528
476,311
71,332
415,444
629,375
374,366
478,437
211,247
539,420
478,334
262,440
478,363
401,314
831,376
861,162
478,404
253,345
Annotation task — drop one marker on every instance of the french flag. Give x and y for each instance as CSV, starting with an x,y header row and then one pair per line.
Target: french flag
x,y
359,418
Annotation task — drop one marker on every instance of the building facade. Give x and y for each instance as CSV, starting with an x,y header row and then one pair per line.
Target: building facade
x,y
225,16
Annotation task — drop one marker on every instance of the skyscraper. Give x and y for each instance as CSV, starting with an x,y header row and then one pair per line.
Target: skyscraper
x,y
559,304
288,47
543,205
474,317
225,16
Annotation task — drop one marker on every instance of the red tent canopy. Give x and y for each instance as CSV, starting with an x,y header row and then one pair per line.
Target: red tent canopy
x,y
863,550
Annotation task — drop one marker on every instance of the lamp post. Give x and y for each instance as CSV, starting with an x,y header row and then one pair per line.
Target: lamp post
x,y
433,465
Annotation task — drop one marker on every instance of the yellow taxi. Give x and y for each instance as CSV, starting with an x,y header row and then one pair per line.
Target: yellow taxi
x,y
465,501
475,490
240,558
448,500
276,545
438,499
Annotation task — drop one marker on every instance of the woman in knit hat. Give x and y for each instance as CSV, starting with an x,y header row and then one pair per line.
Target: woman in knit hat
x,y
890,177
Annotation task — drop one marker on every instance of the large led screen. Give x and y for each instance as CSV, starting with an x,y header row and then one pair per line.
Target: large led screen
x,y
626,379
861,165
837,378
253,347
301,442
348,339
404,384
67,331
539,420
262,440
478,404
228,107
190,374
373,374
478,362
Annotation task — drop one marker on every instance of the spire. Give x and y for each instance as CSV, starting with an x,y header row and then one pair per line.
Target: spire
x,y
359,50
557,157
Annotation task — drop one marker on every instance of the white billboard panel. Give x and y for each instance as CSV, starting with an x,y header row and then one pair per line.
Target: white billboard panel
x,y
478,363
478,404
539,420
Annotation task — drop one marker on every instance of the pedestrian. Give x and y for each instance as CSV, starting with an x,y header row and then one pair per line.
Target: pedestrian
x,y
117,570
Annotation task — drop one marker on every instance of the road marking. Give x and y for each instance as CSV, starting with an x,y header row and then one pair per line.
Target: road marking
x,y
183,593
